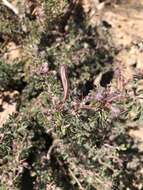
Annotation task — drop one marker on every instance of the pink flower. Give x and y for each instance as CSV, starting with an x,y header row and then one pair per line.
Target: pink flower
x,y
115,111
44,69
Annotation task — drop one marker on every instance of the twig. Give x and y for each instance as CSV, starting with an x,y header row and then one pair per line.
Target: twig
x,y
77,181
96,178
10,6
88,107
105,164
55,143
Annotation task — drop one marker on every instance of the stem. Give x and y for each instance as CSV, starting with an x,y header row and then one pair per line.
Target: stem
x,y
10,6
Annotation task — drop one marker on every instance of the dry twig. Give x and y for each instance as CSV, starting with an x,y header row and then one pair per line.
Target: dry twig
x,y
10,6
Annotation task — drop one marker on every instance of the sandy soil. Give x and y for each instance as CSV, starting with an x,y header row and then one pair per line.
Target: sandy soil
x,y
7,105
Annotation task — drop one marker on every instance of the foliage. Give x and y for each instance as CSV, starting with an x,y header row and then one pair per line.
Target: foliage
x,y
82,143
11,76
